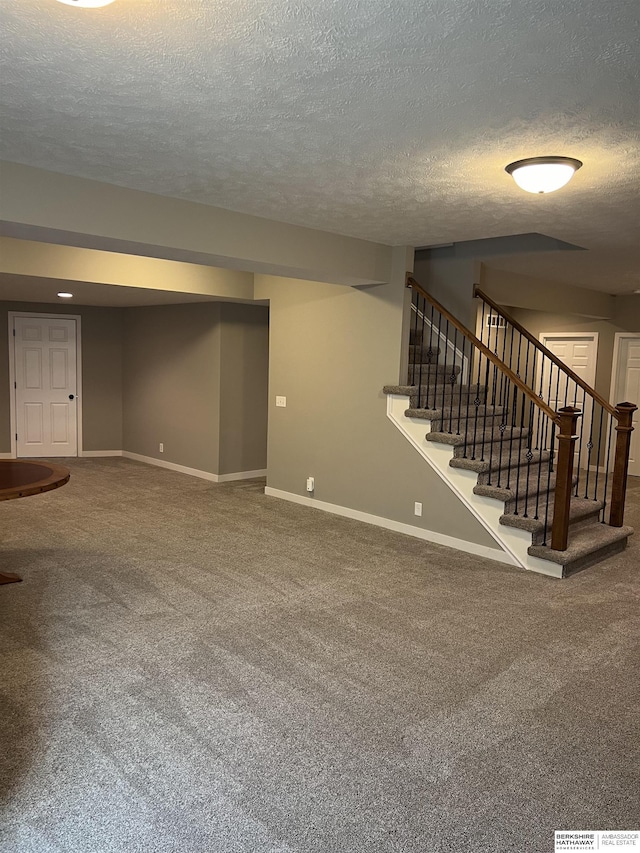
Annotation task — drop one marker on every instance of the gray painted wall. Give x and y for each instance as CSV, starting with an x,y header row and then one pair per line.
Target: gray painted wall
x,y
244,378
101,372
171,384
449,279
195,380
332,349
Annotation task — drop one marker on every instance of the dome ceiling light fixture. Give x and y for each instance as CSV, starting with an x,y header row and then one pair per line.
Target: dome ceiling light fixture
x,y
543,174
87,4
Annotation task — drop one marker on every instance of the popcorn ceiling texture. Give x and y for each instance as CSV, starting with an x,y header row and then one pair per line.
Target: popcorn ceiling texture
x,y
390,120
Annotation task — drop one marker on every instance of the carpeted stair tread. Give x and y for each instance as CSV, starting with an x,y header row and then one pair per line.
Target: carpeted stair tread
x,y
523,494
423,352
432,397
582,511
449,390
483,437
499,461
433,370
450,413
587,546
425,367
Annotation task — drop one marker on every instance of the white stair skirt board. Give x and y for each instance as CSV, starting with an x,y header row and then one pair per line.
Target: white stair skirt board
x,y
514,542
390,524
194,472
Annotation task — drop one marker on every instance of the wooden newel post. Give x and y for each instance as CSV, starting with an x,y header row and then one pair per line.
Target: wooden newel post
x,y
621,462
567,435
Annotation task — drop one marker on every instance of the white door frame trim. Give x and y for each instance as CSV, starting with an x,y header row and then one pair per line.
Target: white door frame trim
x,y
615,364
12,371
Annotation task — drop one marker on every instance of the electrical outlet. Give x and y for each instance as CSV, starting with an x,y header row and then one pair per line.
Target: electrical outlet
x,y
417,508
161,448
281,402
311,484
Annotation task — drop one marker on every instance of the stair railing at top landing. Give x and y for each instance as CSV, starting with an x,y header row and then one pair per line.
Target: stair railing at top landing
x,y
556,434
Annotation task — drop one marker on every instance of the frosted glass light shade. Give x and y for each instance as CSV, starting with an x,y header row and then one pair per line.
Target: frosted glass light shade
x,y
543,174
86,4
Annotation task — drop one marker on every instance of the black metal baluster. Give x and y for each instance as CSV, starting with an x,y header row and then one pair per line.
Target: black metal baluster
x,y
414,305
429,357
599,453
606,470
514,415
444,377
459,389
581,432
476,403
452,379
589,448
521,436
536,514
419,347
503,378
541,425
557,396
434,398
549,472
484,419
525,514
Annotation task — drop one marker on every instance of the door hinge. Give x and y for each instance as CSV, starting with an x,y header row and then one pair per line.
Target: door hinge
x,y
14,333
15,384
16,436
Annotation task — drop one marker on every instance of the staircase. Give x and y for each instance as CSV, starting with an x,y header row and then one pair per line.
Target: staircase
x,y
541,482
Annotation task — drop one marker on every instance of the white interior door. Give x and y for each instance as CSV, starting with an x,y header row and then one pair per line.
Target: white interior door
x,y
627,390
45,386
579,352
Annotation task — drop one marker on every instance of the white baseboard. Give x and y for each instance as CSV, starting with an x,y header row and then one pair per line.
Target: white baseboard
x,y
7,456
242,475
397,526
97,453
172,466
194,472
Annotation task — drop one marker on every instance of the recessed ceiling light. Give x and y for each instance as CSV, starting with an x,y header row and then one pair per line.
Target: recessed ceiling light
x,y
543,174
64,295
87,4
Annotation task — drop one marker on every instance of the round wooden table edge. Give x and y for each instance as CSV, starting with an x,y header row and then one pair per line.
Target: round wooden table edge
x,y
58,477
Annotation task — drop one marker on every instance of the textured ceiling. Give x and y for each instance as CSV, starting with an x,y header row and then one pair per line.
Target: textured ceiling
x,y
390,120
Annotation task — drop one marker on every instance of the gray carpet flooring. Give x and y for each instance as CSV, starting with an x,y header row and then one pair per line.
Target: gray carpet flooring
x,y
199,668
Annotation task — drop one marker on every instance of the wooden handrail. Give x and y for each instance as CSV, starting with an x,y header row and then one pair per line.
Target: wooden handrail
x,y
493,358
543,349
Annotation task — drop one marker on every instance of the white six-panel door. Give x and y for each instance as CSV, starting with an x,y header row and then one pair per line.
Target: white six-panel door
x,y
627,389
46,386
579,351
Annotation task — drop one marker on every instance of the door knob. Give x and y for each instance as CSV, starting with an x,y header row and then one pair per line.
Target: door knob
x,y
71,396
